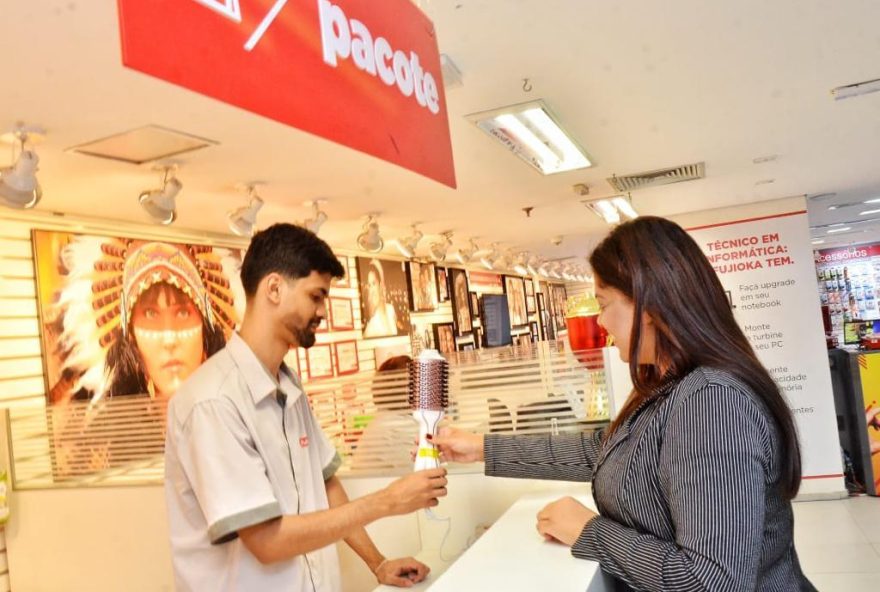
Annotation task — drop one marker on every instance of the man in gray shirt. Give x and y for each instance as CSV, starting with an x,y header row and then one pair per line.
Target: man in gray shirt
x,y
253,500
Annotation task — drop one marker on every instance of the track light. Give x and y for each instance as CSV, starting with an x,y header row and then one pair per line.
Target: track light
x,y
315,222
464,256
532,264
19,187
488,258
519,264
160,204
369,240
439,249
407,245
243,220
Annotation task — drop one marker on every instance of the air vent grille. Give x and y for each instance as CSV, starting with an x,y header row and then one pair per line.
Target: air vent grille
x,y
687,172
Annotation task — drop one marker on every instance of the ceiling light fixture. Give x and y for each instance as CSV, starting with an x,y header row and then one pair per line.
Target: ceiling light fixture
x,y
160,204
19,187
612,209
530,131
464,256
519,264
317,220
369,240
439,249
407,244
488,258
868,212
242,221
839,229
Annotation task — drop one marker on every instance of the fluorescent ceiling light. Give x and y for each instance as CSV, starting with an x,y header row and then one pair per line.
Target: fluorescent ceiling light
x,y
867,212
844,229
531,132
612,209
854,90
818,241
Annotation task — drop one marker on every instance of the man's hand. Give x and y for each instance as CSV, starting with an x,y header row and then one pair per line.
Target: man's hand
x,y
564,520
415,491
458,445
402,573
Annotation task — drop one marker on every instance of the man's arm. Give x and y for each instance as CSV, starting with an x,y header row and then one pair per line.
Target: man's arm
x,y
397,572
286,537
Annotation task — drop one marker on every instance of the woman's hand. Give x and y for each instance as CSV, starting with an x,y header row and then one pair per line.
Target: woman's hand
x,y
458,445
564,520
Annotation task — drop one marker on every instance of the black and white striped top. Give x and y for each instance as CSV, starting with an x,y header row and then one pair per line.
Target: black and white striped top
x,y
686,489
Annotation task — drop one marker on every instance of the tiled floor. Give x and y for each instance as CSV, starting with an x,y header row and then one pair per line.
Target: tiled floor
x,y
839,543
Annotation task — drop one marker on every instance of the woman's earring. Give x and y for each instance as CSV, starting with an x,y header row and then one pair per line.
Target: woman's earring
x,y
151,389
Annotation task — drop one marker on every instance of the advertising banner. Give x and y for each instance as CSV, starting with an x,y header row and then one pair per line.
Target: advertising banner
x,y
363,74
766,266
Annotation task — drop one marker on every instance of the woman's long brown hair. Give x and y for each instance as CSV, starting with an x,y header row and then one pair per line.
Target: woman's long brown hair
x,y
658,266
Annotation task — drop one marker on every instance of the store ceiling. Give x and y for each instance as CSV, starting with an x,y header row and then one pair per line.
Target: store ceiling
x,y
641,85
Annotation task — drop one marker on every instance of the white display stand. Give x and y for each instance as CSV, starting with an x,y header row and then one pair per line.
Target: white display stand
x,y
513,557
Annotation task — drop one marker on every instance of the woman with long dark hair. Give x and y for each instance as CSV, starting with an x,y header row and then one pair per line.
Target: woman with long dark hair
x,y
694,477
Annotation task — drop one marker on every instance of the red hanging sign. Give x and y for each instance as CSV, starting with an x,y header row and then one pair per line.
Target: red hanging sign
x,y
361,73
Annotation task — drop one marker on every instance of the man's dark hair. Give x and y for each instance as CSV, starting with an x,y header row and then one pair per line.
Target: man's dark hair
x,y
290,250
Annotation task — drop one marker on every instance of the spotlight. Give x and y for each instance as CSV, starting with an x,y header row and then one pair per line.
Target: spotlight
x,y
314,223
439,249
160,204
464,256
243,220
19,187
488,258
407,245
369,240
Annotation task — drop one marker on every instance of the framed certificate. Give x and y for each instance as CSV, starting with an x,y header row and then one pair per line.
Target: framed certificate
x,y
341,314
346,357
319,362
345,281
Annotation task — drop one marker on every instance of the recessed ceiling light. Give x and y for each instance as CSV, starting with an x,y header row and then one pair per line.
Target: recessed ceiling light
x,y
844,229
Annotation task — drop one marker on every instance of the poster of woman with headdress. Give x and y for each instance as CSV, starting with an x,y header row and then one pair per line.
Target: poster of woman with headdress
x,y
125,320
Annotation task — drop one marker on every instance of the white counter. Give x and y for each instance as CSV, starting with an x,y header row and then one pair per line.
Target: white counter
x,y
512,556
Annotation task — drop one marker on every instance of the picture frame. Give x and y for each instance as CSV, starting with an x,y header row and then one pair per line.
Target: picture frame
x,y
544,317
444,337
462,315
557,298
515,289
475,306
531,308
530,287
344,281
442,285
319,361
341,314
324,326
346,357
465,346
534,331
421,279
384,299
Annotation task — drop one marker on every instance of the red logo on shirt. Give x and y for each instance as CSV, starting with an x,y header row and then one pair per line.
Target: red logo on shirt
x,y
304,441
